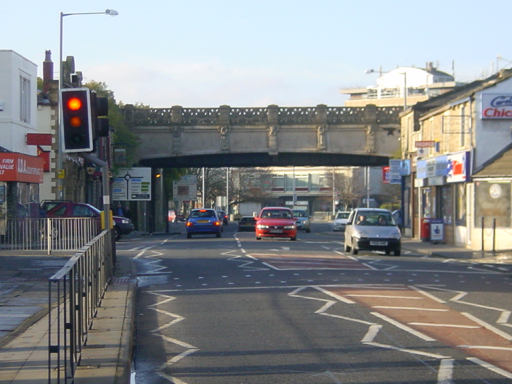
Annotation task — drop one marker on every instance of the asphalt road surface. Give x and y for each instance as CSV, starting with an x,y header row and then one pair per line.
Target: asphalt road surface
x,y
235,310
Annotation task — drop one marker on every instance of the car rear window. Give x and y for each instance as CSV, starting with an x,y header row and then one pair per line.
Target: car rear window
x,y
202,213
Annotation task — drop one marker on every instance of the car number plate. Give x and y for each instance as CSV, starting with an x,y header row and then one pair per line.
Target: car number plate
x,y
203,221
276,231
379,243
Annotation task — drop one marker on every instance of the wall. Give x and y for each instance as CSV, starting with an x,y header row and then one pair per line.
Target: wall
x,y
12,129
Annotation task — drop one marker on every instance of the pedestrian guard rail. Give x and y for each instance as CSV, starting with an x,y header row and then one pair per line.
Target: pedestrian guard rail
x,y
74,294
49,234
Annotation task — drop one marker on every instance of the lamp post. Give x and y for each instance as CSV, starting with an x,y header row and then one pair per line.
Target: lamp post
x,y
110,12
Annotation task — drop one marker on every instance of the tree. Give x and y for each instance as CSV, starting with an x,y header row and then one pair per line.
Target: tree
x,y
122,137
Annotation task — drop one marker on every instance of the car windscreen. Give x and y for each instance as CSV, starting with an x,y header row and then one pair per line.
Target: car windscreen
x,y
342,215
299,213
277,214
374,218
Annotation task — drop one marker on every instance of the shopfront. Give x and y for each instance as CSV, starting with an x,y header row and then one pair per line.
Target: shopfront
x,y
20,176
441,184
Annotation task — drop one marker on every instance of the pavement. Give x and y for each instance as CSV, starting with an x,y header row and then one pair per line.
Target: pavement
x,y
107,357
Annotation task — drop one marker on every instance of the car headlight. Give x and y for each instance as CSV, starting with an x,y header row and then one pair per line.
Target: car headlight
x,y
261,226
289,227
125,221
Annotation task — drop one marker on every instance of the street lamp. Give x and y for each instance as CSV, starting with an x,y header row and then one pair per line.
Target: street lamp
x,y
110,12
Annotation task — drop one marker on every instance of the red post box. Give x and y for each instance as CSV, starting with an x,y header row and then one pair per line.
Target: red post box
x,y
425,229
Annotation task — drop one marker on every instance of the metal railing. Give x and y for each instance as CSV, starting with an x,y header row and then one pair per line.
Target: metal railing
x,y
50,234
75,292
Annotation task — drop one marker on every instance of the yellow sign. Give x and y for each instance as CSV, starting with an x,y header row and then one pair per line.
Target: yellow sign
x,y
61,173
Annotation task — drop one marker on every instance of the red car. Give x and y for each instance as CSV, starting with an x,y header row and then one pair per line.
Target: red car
x,y
276,222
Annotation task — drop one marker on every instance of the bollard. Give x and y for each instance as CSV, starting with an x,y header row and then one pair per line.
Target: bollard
x,y
483,248
493,236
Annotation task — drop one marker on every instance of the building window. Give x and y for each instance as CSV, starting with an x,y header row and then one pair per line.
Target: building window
x,y
24,100
278,183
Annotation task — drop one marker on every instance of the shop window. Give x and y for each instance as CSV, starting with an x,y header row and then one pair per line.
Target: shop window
x,y
446,204
24,99
492,201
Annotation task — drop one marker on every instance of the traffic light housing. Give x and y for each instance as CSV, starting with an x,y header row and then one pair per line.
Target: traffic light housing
x,y
76,126
99,113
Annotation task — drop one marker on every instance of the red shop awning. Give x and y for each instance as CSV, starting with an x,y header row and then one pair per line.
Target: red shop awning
x,y
20,167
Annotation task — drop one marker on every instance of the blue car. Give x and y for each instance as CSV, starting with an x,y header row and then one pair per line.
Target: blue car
x,y
204,220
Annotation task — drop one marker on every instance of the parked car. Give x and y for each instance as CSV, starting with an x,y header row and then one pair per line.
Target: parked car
x,y
246,223
372,229
203,220
276,222
303,220
63,208
223,216
340,220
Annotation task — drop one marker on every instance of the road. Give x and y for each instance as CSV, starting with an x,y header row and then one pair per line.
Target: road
x,y
236,310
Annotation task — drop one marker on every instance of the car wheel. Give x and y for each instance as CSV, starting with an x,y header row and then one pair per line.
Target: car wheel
x,y
354,250
258,238
293,238
308,230
387,252
347,248
396,252
217,234
189,235
117,233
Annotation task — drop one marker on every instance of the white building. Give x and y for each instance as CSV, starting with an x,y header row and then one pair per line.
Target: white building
x,y
401,86
21,171
18,101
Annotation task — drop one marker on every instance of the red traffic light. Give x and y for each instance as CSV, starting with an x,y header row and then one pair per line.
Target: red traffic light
x,y
74,104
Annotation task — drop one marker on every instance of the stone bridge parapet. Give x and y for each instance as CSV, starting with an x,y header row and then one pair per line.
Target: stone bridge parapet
x,y
181,131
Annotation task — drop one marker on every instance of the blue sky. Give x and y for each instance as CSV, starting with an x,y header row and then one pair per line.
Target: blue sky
x,y
207,53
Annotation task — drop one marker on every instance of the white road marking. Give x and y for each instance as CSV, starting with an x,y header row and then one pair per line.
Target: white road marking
x,y
403,326
141,253
411,308
372,332
488,326
386,296
444,325
175,319
485,347
445,373
406,350
491,367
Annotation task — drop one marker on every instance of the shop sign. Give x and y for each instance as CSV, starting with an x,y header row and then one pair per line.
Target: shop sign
x,y
425,144
21,168
458,167
497,106
433,167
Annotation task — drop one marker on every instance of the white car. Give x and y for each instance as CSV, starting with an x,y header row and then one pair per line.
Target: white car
x,y
372,229
340,220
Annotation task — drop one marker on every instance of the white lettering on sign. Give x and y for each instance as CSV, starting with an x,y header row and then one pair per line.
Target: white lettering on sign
x,y
25,169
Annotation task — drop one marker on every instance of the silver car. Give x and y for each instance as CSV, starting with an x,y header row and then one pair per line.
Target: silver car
x,y
303,221
372,229
340,220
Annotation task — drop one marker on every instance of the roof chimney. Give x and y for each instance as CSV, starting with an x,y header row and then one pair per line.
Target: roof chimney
x,y
47,71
